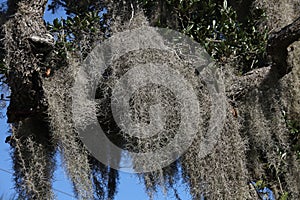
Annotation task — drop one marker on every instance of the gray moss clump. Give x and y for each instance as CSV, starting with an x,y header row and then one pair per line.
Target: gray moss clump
x,y
254,144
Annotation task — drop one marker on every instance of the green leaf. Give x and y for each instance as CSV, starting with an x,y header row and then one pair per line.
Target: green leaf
x,y
189,28
284,196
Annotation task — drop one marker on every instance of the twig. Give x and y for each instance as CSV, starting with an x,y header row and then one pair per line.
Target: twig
x,y
132,13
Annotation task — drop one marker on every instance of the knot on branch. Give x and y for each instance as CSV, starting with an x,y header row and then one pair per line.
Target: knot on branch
x,y
44,43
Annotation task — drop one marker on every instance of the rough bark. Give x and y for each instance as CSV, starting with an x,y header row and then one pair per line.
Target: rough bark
x,y
277,48
26,48
24,58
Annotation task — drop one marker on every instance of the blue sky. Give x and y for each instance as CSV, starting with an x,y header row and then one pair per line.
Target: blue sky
x,y
129,187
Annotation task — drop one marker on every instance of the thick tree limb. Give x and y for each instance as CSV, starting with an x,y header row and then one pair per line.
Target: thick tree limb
x,y
278,44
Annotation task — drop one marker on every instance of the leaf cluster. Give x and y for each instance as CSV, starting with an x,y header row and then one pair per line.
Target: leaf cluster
x,y
76,34
215,25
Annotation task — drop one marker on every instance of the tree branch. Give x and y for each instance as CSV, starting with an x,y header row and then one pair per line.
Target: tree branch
x,y
278,44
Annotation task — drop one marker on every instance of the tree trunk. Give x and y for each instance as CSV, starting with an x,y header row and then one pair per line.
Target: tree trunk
x,y
26,48
25,52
